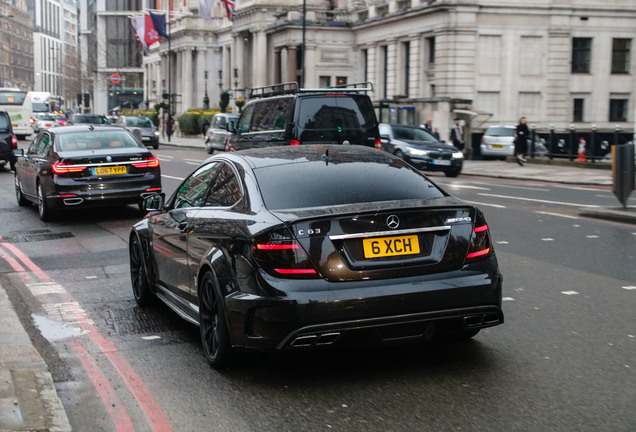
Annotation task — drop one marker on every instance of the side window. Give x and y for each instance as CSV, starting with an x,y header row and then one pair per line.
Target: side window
x,y
385,130
43,145
193,190
243,124
225,190
33,148
219,122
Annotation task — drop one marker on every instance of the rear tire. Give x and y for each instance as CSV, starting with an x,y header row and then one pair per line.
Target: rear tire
x,y
208,149
45,212
212,323
155,146
138,279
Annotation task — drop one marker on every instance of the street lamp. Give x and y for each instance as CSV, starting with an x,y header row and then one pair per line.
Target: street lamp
x,y
206,99
220,79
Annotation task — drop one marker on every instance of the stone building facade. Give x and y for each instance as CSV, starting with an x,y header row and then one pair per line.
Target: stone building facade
x,y
557,62
16,45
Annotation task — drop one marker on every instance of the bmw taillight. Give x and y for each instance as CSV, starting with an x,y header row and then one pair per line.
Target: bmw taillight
x,y
151,162
14,141
480,242
294,142
66,168
280,255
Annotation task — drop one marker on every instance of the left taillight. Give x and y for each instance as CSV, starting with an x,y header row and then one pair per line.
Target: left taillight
x,y
14,141
480,242
280,255
66,168
151,162
378,144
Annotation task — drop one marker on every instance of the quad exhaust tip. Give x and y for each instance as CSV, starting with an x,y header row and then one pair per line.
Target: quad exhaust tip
x,y
320,339
73,201
480,320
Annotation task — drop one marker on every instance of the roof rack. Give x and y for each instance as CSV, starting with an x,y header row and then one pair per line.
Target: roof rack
x,y
274,90
353,87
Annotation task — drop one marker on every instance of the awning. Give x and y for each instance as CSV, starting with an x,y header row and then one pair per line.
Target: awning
x,y
476,117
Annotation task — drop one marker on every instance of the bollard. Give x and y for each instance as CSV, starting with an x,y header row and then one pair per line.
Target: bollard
x,y
571,150
533,135
593,144
617,131
623,171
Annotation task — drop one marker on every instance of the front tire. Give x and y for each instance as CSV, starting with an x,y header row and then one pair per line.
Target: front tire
x,y
454,172
212,323
22,201
399,154
138,279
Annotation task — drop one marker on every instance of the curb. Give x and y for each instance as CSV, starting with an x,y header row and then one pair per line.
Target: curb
x,y
616,214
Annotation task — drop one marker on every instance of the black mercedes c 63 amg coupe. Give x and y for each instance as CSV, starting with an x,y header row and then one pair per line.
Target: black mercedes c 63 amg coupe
x,y
302,247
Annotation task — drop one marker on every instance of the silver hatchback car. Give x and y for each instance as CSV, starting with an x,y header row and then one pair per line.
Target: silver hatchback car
x,y
499,141
216,136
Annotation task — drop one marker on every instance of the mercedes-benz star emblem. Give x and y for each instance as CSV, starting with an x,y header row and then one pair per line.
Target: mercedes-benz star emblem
x,y
109,159
393,221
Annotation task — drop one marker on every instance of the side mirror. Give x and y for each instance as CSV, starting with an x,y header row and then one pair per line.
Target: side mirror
x,y
155,202
18,152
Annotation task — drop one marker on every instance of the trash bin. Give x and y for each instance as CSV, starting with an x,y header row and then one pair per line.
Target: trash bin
x,y
623,171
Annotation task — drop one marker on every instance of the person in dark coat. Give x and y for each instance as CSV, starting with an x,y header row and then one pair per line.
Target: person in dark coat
x,y
521,141
457,135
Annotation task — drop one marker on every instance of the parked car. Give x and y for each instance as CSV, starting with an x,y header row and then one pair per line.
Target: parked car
x,y
499,141
149,132
8,141
421,149
94,119
217,135
283,114
78,166
303,247
44,121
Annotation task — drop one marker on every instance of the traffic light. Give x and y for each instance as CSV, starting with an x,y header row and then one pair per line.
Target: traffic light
x,y
79,98
164,95
87,99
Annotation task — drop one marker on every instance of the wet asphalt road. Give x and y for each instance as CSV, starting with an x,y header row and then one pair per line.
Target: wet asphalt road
x,y
564,360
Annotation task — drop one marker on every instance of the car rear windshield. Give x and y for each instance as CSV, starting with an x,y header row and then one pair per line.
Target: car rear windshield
x,y
335,112
500,131
138,122
82,141
317,184
4,122
89,119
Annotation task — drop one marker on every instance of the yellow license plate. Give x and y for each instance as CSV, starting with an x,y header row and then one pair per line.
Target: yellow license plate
x,y
391,246
497,146
109,170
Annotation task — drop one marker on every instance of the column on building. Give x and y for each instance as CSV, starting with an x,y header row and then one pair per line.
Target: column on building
x,y
188,79
259,70
239,59
292,62
392,68
226,68
277,66
310,78
557,97
414,84
199,71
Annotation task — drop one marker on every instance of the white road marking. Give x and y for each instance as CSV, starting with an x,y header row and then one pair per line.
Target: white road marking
x,y
171,177
591,236
194,160
630,288
547,239
569,292
460,186
556,214
91,277
193,163
487,204
502,242
508,299
539,200
524,187
165,156
43,288
150,337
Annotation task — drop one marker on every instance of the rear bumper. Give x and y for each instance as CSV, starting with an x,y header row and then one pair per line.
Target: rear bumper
x,y
487,150
319,313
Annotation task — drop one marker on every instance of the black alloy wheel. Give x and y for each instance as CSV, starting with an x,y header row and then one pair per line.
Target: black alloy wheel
x,y
139,281
22,201
212,324
45,212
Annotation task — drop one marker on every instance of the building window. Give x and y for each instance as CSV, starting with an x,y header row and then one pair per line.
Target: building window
x,y
581,54
579,105
365,64
324,81
430,44
406,53
385,71
618,110
620,55
341,81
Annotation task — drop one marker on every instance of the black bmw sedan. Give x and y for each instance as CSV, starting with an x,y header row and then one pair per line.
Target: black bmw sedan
x,y
314,246
85,165
421,149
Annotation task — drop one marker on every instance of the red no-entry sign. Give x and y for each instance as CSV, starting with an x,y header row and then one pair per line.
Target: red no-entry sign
x,y
115,78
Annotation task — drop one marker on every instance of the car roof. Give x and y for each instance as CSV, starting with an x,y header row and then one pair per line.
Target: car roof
x,y
85,128
333,153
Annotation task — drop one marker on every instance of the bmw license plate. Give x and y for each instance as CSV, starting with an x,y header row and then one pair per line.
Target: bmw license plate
x,y
109,170
443,162
391,246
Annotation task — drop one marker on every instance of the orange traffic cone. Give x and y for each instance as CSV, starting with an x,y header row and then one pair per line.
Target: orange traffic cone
x,y
581,157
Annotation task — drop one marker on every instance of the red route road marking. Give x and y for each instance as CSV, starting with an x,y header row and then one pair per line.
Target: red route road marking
x,y
158,420
114,405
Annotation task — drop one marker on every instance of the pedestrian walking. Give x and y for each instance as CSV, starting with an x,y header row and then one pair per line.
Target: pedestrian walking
x,y
428,126
436,133
521,141
457,135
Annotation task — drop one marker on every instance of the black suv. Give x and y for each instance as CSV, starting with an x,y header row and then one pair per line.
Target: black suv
x,y
8,141
283,114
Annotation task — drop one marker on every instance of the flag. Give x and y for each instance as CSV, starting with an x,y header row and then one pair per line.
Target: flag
x,y
159,22
205,7
145,31
230,6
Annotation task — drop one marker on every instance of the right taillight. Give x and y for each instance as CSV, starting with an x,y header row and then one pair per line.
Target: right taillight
x,y
282,256
14,141
294,142
480,244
